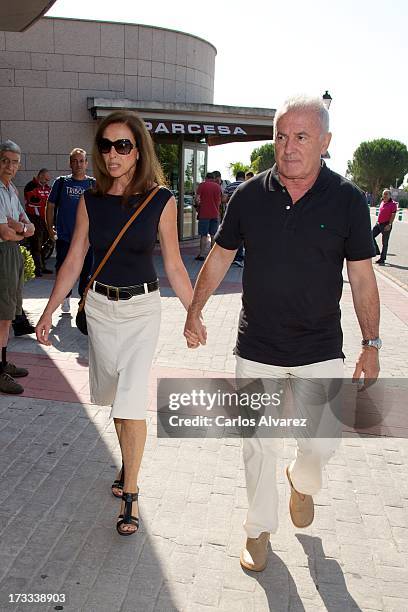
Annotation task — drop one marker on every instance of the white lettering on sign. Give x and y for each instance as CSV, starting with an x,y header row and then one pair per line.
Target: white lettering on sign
x,y
161,127
177,128
193,128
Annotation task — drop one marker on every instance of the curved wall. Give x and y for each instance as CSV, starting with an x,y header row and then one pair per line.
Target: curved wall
x,y
48,72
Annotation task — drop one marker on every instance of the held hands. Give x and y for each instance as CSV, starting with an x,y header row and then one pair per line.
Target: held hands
x,y
368,364
43,329
195,332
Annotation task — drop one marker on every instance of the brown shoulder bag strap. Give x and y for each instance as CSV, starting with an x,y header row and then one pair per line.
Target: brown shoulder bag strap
x,y
115,243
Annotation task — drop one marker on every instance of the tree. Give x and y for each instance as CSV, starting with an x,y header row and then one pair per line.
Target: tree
x,y
168,155
378,164
238,167
263,157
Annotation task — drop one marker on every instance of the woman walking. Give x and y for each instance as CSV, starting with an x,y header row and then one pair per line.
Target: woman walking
x,y
123,304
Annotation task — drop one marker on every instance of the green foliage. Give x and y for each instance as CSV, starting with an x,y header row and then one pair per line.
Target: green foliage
x,y
168,155
403,203
29,266
377,164
238,167
263,158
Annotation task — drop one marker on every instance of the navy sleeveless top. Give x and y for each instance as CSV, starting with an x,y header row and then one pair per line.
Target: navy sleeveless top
x,y
131,263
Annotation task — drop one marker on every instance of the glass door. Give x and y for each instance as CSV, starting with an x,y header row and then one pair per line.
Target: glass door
x,y
194,169
188,210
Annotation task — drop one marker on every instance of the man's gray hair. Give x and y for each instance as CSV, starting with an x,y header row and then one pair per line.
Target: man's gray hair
x,y
9,145
304,103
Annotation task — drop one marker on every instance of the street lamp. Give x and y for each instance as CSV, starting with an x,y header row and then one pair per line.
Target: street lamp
x,y
327,99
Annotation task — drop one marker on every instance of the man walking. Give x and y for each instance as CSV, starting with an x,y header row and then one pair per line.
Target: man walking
x,y
14,226
386,216
62,205
36,194
223,185
239,179
208,201
304,220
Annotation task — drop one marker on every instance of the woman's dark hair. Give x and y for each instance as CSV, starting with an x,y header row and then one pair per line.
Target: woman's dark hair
x,y
147,170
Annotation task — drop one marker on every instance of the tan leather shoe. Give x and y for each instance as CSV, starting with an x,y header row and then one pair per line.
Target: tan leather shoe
x,y
254,555
301,506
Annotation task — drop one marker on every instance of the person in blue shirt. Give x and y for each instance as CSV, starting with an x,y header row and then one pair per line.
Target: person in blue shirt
x,y
62,208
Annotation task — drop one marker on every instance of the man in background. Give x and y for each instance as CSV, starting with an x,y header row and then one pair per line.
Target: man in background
x,y
14,227
62,205
223,184
36,194
239,179
386,216
207,202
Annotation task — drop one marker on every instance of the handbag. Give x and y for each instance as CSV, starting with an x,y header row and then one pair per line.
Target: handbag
x,y
80,319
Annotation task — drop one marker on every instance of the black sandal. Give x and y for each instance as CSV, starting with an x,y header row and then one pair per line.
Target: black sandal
x,y
126,518
118,483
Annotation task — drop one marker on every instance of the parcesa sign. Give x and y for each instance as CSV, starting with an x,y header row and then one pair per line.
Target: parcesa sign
x,y
170,127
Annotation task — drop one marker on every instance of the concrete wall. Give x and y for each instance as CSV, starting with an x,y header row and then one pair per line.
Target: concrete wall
x,y
48,72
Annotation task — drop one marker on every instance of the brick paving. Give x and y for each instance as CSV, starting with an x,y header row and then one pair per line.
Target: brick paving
x,y
58,457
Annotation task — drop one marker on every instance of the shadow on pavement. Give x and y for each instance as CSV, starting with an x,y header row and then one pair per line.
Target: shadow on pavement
x,y
58,516
390,265
279,586
328,576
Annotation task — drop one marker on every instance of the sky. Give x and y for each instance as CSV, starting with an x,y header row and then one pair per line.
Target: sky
x,y
267,51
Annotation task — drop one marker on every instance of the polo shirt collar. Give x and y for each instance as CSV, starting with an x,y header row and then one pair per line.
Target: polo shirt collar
x,y
273,182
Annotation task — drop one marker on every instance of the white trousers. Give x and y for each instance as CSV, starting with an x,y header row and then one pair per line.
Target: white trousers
x,y
260,453
123,336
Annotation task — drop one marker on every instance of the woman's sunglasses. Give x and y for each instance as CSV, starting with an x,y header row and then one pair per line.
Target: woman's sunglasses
x,y
123,146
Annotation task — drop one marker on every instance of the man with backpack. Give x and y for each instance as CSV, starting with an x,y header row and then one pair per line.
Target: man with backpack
x,y
62,207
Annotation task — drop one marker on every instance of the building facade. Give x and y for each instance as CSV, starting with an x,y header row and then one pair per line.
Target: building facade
x,y
60,76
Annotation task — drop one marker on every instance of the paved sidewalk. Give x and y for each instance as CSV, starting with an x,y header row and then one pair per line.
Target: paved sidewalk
x,y
58,457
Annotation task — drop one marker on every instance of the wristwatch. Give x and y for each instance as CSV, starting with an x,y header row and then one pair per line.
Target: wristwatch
x,y
375,342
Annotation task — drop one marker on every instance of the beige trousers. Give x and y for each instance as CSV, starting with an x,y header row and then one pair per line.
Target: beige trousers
x,y
260,453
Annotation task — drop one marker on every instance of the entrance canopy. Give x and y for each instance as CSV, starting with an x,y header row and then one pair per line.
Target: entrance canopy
x,y
211,123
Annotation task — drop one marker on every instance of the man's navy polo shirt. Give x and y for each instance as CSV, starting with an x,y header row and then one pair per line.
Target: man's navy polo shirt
x,y
294,254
